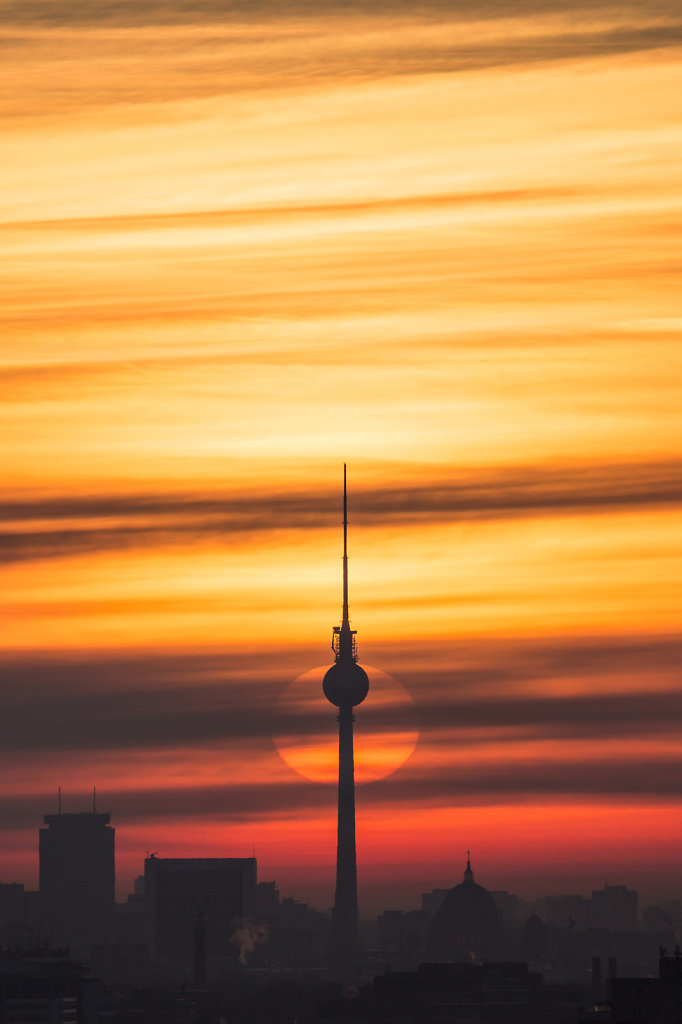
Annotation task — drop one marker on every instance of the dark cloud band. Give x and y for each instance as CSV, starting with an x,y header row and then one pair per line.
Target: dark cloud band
x,y
112,522
159,702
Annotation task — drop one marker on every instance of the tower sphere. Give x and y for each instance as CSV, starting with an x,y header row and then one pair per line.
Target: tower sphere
x,y
345,684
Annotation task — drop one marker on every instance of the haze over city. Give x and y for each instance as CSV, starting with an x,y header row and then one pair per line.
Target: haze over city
x,y
245,244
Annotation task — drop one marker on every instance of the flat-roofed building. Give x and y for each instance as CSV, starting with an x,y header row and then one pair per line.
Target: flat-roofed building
x,y
177,891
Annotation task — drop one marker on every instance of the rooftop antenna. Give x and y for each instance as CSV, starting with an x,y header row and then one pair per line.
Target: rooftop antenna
x,y
343,637
345,621
59,800
94,800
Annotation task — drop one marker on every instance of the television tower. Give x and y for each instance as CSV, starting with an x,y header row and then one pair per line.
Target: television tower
x,y
345,685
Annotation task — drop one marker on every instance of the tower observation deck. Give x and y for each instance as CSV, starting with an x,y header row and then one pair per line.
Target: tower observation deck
x,y
345,685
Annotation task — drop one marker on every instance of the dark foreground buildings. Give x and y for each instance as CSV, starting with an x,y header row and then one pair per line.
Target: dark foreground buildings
x,y
508,993
650,1000
45,987
458,993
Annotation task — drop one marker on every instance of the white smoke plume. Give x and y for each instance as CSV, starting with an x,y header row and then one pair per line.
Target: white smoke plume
x,y
246,936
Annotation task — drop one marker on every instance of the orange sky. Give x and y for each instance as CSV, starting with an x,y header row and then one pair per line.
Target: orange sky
x,y
243,246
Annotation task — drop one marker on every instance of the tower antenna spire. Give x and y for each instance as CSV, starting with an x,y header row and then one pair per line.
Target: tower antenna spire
x,y
343,637
344,617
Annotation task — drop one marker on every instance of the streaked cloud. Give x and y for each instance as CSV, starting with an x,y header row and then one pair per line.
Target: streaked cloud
x,y
493,697
78,525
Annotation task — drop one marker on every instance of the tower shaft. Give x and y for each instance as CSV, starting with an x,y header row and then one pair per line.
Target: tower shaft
x,y
345,913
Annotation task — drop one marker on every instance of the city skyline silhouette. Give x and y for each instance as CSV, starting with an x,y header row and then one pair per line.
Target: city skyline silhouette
x,y
199,934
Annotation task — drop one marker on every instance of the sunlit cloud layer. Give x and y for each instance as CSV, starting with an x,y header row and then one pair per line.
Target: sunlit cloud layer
x,y
246,242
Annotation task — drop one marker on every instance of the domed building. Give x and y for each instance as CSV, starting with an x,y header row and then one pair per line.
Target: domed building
x,y
468,925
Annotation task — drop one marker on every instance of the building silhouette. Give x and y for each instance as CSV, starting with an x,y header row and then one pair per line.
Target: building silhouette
x,y
290,934
77,876
614,906
345,685
647,1000
491,993
45,987
468,925
220,892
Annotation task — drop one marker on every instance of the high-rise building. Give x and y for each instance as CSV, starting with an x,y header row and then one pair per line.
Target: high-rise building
x,y
181,891
77,877
346,685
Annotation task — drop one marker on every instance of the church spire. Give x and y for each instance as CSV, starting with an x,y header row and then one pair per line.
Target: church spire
x,y
468,873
